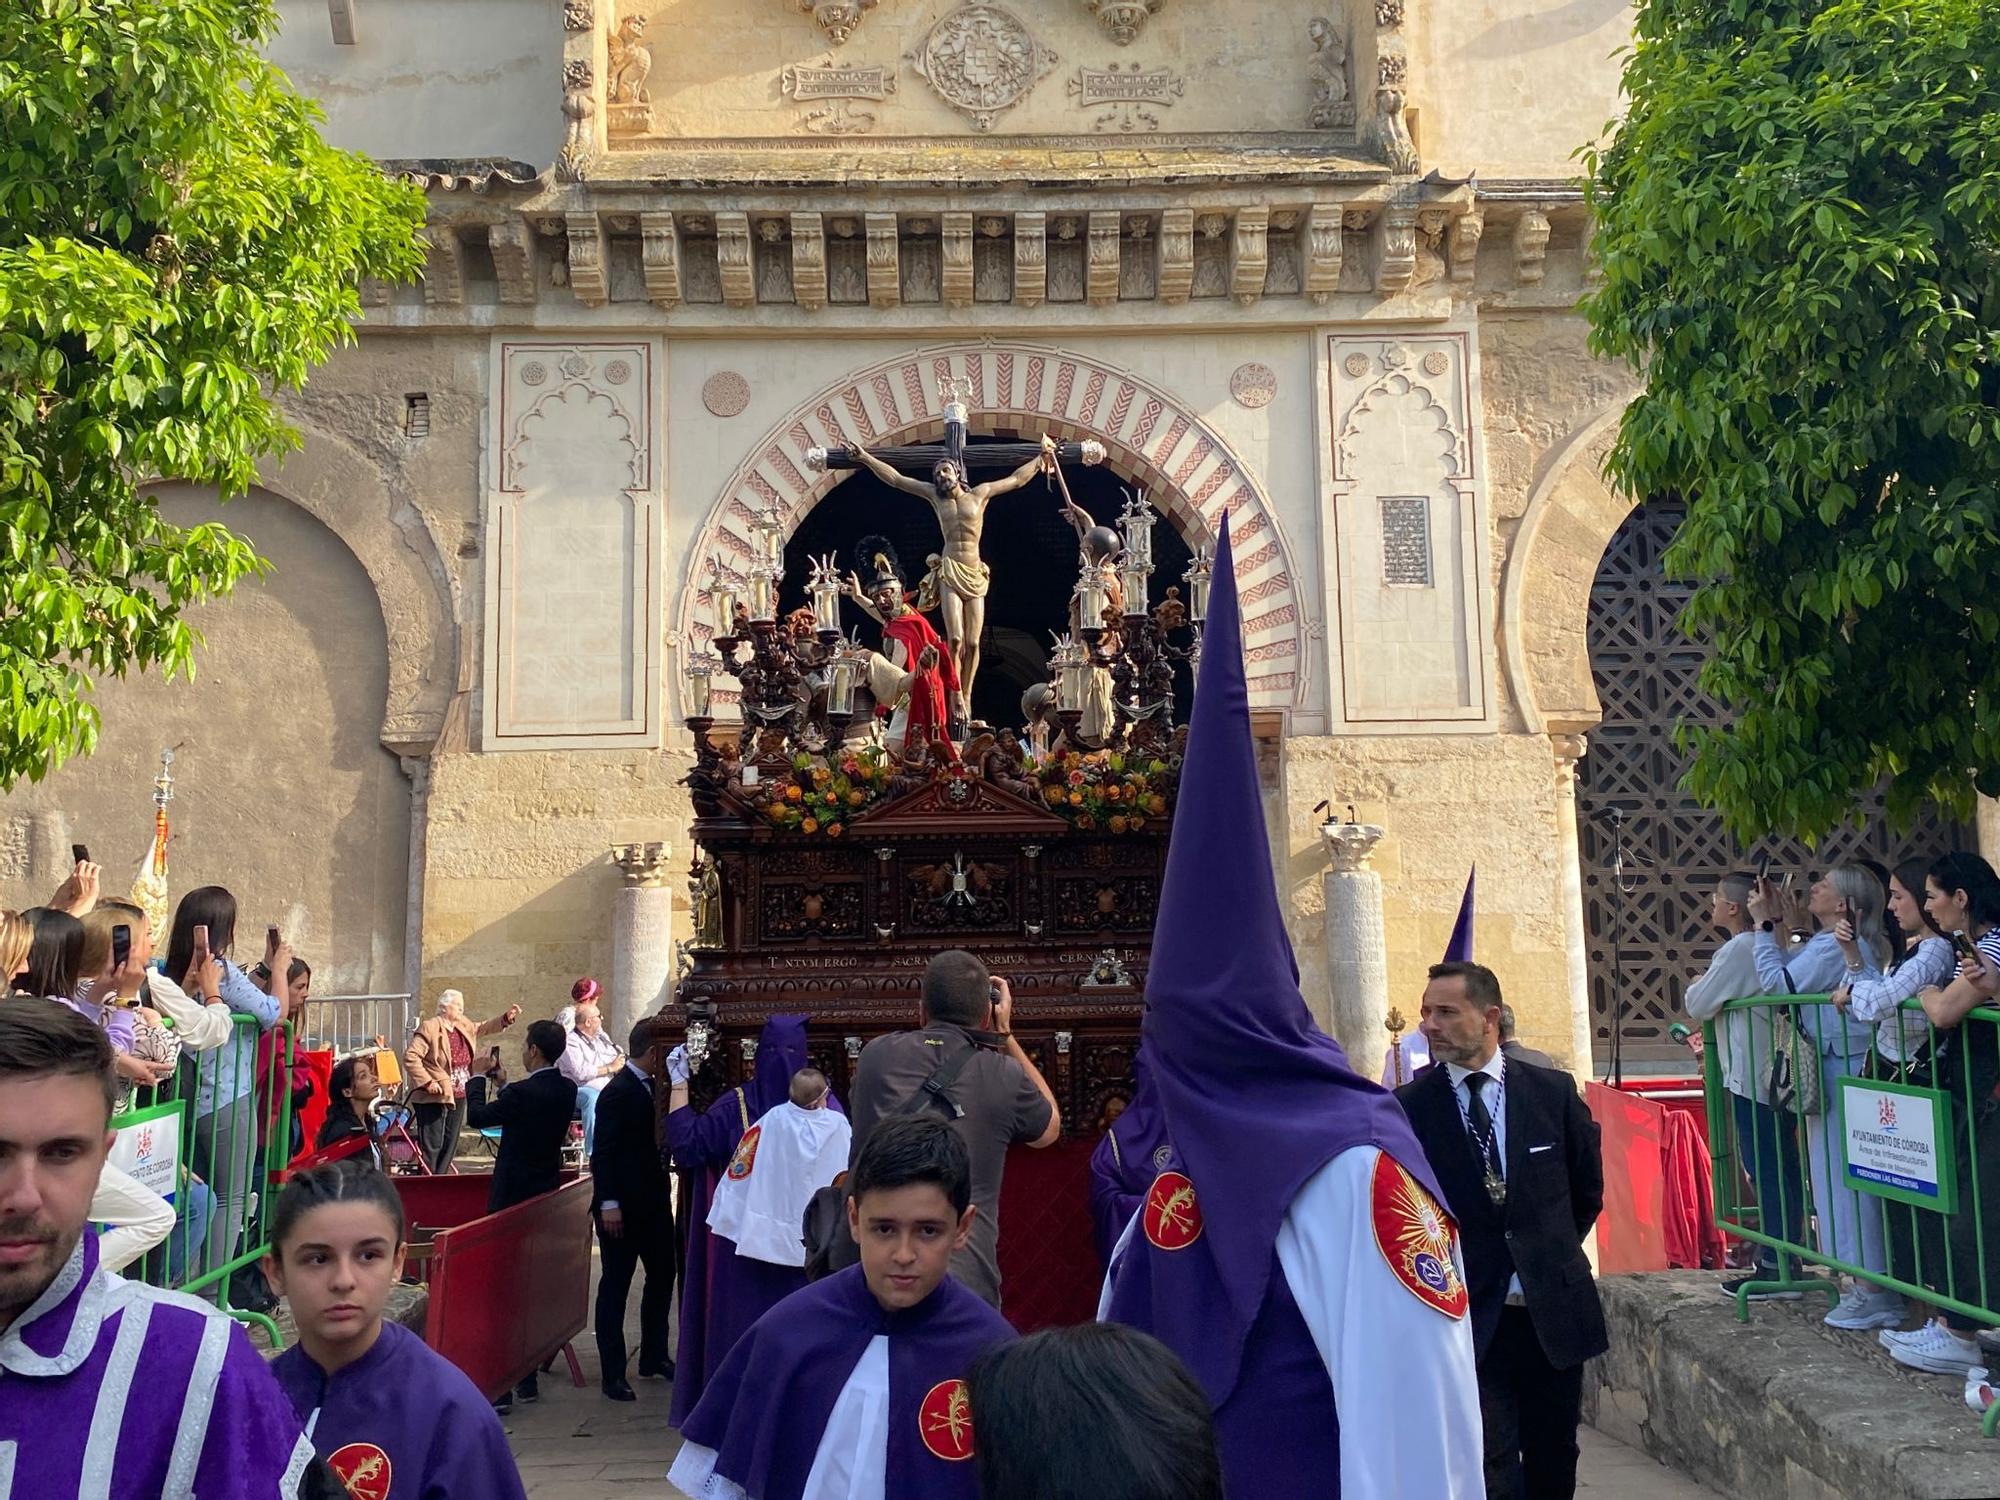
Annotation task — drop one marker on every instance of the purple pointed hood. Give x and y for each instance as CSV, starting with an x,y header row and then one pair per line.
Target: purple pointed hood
x,y
1459,949
781,1052
1256,1097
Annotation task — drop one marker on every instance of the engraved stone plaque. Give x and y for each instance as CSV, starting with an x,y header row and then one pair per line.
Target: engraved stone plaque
x,y
1406,541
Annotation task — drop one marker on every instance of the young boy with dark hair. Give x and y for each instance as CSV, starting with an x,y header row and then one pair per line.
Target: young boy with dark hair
x,y
855,1387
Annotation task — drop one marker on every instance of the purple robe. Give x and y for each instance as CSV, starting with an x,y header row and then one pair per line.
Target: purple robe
x,y
1256,1099
402,1422
114,1387
766,1410
1122,1167
722,1294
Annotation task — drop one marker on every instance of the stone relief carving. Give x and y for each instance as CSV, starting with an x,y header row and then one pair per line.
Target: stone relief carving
x,y
578,15
1429,247
585,373
1531,245
726,394
629,62
834,88
982,61
1126,94
1253,385
573,161
1332,76
1123,20
1388,13
1463,246
837,18
1391,129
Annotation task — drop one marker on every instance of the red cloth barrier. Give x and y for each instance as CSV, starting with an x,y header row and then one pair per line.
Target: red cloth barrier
x,y
1693,1241
508,1290
1631,1232
444,1201
1048,1264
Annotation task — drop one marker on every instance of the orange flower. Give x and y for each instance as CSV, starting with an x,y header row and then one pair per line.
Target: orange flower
x,y
1137,824
833,830
1076,799
775,814
794,794
1085,822
1156,803
1111,792
1053,796
821,776
1118,823
855,799
810,825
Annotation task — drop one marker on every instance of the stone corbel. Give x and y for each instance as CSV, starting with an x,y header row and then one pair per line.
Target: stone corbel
x,y
340,15
885,283
660,258
837,18
1123,20
957,251
1031,258
1463,249
809,261
1531,244
1324,249
588,260
1101,277
517,258
732,255
1250,254
1176,272
1396,244
444,267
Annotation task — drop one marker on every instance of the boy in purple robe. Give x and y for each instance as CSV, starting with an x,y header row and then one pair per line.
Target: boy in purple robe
x,y
109,1387
855,1388
392,1418
1291,1247
721,1293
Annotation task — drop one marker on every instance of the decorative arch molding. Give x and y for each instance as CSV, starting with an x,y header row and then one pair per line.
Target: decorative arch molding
x,y
1545,600
332,481
1190,471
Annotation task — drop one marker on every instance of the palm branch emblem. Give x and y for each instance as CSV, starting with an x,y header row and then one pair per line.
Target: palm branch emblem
x,y
363,1468
1172,1213
944,1420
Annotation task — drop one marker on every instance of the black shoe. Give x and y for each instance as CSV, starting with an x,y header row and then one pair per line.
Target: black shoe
x,y
505,1404
528,1390
664,1370
618,1390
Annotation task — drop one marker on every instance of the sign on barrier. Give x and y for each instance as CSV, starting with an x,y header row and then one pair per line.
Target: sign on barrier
x,y
146,1146
1898,1141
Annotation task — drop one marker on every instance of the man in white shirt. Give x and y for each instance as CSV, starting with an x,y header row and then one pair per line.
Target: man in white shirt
x,y
792,1152
590,1060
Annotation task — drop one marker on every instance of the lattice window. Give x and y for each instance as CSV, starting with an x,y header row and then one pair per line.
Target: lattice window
x,y
1650,928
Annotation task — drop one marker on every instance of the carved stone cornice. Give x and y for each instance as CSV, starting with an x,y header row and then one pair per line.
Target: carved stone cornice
x,y
1464,243
1176,273
517,261
589,273
732,254
1250,254
660,258
885,286
1101,279
1031,258
1396,248
444,267
1325,247
957,261
1531,244
809,260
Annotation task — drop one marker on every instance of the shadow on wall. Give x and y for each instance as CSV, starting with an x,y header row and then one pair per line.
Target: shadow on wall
x,y
1549,28
528,955
282,789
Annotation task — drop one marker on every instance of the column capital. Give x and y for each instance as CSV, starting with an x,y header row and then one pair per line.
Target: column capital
x,y
1350,845
643,864
1568,750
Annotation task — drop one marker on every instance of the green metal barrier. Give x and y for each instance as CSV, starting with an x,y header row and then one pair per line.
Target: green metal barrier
x,y
234,1142
1908,1194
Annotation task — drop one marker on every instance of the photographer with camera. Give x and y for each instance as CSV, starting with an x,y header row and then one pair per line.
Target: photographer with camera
x,y
967,1062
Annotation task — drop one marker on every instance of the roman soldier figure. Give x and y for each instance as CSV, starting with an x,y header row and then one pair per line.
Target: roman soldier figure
x,y
915,671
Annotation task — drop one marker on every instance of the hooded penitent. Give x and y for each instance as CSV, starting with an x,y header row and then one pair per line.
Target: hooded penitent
x,y
1256,1098
1124,1164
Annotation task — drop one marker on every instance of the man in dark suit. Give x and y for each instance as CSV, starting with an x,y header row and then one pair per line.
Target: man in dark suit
x,y
1519,1051
634,1214
1517,1155
533,1116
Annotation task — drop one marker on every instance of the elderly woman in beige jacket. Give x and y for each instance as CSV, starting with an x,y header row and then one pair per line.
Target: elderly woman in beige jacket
x,y
439,1061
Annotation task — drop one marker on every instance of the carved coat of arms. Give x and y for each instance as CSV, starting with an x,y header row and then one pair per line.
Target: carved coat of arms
x,y
982,61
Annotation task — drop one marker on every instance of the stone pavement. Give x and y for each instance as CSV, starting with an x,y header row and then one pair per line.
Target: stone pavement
x,y
575,1445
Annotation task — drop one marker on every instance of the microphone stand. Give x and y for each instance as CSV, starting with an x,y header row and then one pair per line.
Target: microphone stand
x,y
1619,855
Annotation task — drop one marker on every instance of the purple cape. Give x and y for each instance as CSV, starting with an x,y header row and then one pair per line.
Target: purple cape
x,y
722,1296
165,1392
371,1427
766,1410
1122,1167
1256,1097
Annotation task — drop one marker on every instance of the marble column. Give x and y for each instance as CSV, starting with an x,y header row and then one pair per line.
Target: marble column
x,y
1569,749
642,955
1357,953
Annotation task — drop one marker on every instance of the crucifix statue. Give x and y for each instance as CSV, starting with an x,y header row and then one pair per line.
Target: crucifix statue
x,y
948,470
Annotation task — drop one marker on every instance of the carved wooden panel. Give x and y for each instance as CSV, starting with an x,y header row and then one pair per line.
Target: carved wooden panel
x,y
789,911
1651,854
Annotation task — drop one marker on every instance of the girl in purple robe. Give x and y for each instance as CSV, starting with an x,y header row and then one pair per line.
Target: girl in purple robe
x,y
391,1417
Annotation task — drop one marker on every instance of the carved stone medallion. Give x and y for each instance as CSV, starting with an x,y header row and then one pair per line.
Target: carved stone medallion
x,y
725,393
982,61
1253,385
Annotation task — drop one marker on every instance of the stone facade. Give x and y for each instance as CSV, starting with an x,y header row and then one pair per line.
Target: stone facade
x,y
677,243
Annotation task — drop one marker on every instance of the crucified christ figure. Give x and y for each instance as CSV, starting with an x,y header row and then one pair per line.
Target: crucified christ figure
x,y
963,579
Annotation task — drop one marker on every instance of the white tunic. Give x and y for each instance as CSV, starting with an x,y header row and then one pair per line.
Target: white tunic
x,y
852,1461
1404,1384
788,1155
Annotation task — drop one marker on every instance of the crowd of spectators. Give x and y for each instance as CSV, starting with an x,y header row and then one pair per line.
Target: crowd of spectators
x,y
1903,957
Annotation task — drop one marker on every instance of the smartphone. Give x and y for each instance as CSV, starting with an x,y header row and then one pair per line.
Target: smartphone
x,y
80,853
121,945
271,937
1963,946
1763,868
200,940
493,1053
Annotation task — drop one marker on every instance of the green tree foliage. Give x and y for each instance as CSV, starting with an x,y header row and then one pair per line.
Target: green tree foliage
x,y
1797,225
176,244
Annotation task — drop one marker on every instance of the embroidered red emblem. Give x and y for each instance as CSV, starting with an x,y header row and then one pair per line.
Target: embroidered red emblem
x,y
363,1468
746,1153
1172,1217
944,1421
1416,1237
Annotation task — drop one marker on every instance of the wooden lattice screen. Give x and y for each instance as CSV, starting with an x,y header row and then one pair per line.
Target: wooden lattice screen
x,y
1657,938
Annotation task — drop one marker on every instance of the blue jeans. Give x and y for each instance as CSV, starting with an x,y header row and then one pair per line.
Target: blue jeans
x,y
586,1103
197,1206
1767,1149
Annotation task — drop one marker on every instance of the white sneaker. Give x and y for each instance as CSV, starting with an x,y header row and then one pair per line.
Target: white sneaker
x,y
1890,1338
1867,1306
1940,1352
1978,1389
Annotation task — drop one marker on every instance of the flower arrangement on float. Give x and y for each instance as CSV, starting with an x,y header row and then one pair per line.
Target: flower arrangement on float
x,y
1108,790
823,796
